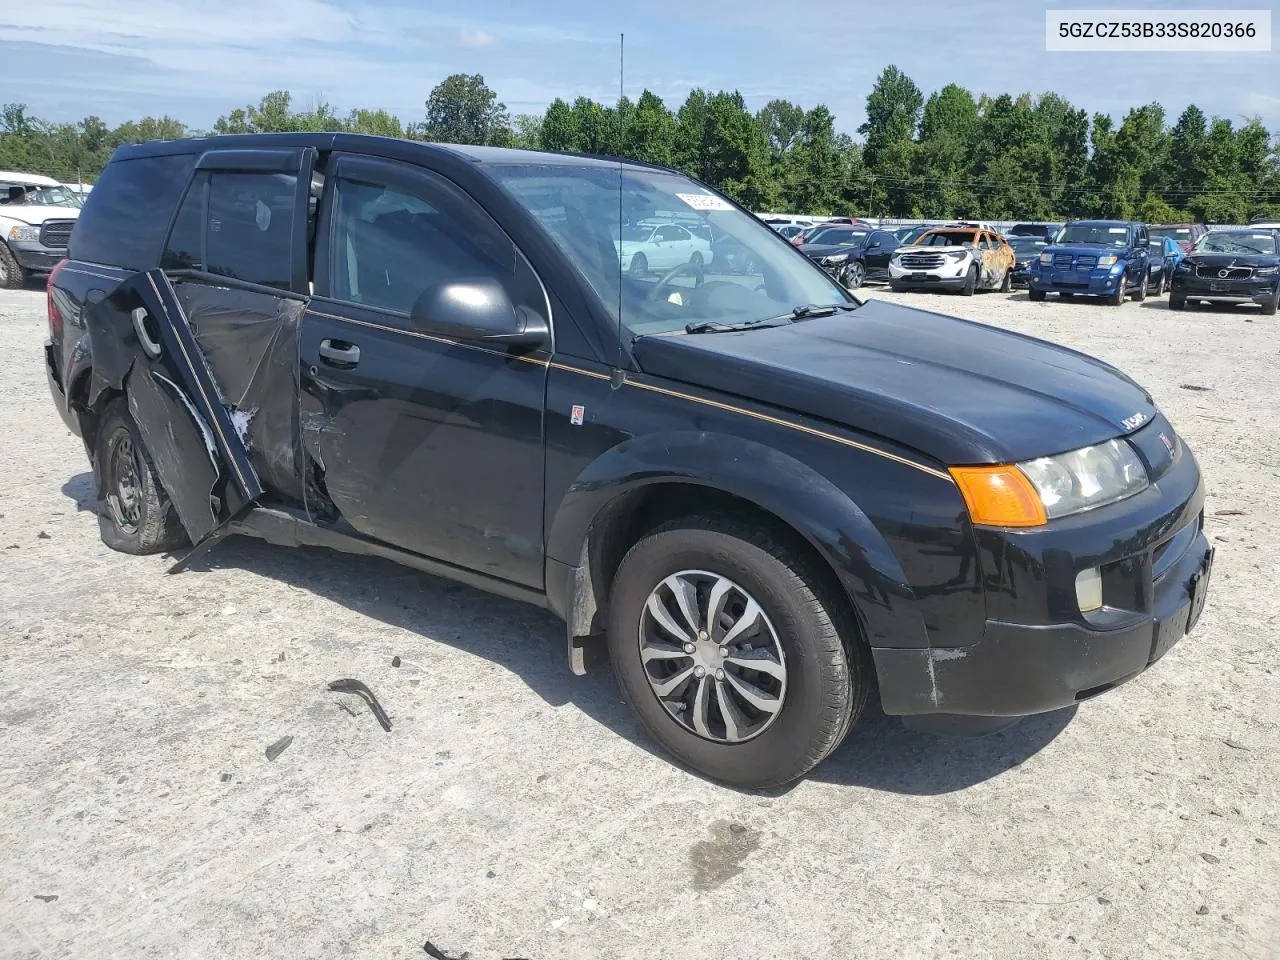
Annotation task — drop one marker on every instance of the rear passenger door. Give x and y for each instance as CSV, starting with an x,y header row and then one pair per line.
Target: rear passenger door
x,y
428,443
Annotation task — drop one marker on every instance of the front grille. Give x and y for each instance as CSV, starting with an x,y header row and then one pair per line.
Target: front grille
x,y
1232,273
1062,261
1086,262
921,261
56,233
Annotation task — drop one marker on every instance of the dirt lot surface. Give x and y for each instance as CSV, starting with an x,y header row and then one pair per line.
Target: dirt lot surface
x,y
517,811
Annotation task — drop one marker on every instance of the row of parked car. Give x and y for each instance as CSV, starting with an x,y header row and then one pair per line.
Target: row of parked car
x,y
1112,259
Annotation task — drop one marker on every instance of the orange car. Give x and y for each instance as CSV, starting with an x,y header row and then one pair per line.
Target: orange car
x,y
960,257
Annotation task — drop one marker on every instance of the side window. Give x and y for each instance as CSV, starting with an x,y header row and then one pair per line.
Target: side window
x,y
125,216
389,243
250,227
236,225
669,233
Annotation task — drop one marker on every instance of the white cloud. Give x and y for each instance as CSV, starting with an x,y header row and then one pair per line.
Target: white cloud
x,y
475,38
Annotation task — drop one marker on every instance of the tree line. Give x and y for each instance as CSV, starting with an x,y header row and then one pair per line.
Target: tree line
x,y
948,155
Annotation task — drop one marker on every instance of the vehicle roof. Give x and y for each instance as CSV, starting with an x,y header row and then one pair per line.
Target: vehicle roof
x,y
35,179
479,155
1161,226
1105,223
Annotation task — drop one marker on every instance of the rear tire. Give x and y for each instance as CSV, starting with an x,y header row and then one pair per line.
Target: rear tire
x,y
134,513
822,677
970,282
1141,293
12,274
696,259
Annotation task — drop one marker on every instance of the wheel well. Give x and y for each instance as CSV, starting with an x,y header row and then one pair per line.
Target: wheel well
x,y
625,520
78,401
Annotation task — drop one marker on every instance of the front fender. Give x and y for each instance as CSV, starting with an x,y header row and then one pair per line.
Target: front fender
x,y
777,483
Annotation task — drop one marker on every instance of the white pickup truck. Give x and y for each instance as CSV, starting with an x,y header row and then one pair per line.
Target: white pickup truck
x,y
36,217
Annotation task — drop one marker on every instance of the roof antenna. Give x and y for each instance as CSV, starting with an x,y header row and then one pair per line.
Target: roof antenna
x,y
622,39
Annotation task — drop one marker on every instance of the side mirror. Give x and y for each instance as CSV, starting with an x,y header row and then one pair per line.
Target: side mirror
x,y
874,243
477,309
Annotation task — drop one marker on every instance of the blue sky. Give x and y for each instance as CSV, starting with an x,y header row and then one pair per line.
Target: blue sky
x,y
196,59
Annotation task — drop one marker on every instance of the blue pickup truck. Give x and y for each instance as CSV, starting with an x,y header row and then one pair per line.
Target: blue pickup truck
x,y
1097,258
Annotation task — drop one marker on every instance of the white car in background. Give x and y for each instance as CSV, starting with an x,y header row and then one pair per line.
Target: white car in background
x,y
36,217
646,247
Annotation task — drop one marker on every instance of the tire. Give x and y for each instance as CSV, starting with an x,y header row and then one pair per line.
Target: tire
x,y
1176,302
695,260
898,287
1164,283
1141,293
134,513
639,265
1269,308
826,673
1066,295
970,282
1118,298
1034,295
854,274
12,274
1007,283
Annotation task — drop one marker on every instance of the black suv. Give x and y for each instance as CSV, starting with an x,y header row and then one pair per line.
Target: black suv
x,y
1237,266
765,493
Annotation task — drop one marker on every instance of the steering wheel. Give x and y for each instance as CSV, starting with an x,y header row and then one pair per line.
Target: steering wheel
x,y
662,284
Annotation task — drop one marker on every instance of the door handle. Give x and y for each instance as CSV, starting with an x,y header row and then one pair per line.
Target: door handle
x,y
339,353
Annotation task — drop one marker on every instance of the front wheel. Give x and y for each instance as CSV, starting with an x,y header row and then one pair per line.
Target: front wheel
x,y
1176,302
1034,295
738,658
970,282
12,274
134,513
1269,308
854,274
1116,299
1007,282
639,265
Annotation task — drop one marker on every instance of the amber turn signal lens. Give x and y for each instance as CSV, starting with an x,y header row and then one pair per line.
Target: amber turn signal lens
x,y
999,496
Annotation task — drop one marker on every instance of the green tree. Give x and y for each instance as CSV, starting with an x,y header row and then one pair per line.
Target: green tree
x,y
893,111
462,109
526,131
376,122
559,129
782,122
649,132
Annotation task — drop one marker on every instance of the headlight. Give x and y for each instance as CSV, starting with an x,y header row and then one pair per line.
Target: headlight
x,y
1046,259
1266,271
24,233
836,258
1086,478
1031,493
1183,267
1107,260
957,254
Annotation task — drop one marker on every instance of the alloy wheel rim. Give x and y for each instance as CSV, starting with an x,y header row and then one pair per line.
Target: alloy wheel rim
x,y
125,497
712,657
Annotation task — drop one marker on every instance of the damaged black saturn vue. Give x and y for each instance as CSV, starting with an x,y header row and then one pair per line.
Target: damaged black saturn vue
x,y
764,497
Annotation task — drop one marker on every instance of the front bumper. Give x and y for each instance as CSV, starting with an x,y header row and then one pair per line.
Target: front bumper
x,y
1038,652
1255,290
1095,283
34,256
946,277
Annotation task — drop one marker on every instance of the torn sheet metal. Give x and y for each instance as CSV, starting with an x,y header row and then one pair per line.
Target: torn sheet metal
x,y
152,355
250,341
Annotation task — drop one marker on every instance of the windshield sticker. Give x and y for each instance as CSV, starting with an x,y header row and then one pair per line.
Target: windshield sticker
x,y
1259,236
705,201
1116,230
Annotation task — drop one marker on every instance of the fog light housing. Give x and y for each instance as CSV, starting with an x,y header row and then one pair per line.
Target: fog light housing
x,y
1089,590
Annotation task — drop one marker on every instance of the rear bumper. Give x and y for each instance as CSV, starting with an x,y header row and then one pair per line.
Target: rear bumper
x,y
59,392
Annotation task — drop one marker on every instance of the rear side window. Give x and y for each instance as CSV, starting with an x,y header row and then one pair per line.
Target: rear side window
x,y
126,214
236,225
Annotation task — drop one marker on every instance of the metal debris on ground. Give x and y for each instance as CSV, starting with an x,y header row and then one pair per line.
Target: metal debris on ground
x,y
362,691
279,747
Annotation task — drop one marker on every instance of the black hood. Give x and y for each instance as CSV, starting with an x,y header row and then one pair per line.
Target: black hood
x,y
1232,259
816,250
958,391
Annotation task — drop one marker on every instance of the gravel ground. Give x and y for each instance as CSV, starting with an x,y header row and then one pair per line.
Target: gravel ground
x,y
517,811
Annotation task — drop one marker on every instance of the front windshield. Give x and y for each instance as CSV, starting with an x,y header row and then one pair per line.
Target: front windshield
x,y
1237,243
1025,244
947,238
727,268
1157,248
1181,234
838,236
912,234
34,195
1094,234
